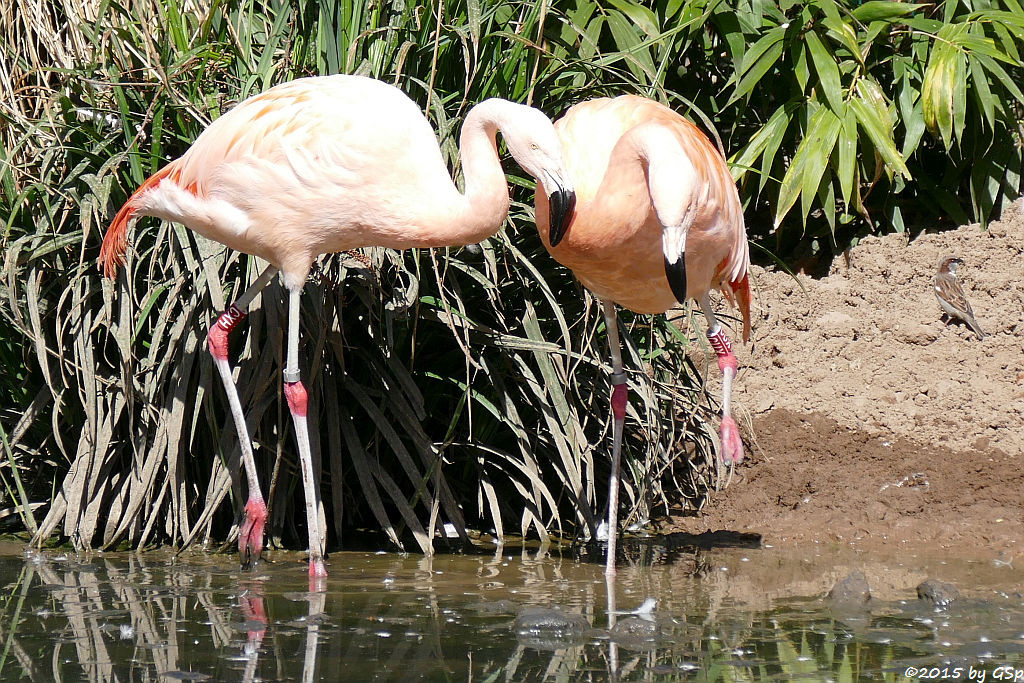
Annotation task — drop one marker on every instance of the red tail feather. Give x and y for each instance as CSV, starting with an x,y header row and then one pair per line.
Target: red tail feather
x,y
115,242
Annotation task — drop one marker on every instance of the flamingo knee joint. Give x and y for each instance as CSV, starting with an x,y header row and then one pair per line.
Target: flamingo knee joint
x,y
723,349
217,338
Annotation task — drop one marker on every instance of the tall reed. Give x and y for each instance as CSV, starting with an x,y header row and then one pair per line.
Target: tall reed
x,y
463,386
839,118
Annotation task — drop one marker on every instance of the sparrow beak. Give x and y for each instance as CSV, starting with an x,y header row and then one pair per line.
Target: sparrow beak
x,y
562,201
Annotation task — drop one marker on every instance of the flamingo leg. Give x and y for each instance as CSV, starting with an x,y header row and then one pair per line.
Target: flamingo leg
x,y
731,444
298,400
250,536
620,398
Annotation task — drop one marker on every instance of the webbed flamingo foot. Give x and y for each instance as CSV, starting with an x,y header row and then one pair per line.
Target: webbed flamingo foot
x,y
250,536
317,574
731,443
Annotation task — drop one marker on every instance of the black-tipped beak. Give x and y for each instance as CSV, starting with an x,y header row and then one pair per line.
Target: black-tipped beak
x,y
561,203
676,273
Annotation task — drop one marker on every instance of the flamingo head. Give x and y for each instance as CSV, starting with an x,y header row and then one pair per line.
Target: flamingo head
x,y
533,143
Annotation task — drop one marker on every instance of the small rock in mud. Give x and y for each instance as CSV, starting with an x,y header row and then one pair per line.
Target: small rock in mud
x,y
547,628
251,625
636,627
537,619
636,632
835,324
916,333
938,593
495,607
853,590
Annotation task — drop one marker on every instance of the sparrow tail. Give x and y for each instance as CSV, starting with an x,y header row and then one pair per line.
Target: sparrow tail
x,y
976,327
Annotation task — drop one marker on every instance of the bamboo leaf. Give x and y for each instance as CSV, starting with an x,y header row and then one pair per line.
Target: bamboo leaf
x,y
959,95
872,116
828,72
880,10
941,78
639,15
761,143
761,57
843,33
1004,78
1007,42
809,162
631,48
910,108
846,156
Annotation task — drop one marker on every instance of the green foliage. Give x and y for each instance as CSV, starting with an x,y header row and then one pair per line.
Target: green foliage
x,y
457,383
463,385
872,111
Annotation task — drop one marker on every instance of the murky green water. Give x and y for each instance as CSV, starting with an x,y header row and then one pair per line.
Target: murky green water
x,y
721,615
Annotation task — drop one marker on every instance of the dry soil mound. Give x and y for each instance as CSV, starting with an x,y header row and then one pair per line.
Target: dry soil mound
x,y
873,419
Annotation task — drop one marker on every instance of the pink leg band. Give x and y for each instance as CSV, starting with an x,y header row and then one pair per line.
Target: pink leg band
x,y
620,397
723,349
217,339
297,397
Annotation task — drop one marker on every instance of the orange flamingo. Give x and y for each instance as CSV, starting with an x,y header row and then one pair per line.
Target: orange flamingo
x,y
657,219
328,164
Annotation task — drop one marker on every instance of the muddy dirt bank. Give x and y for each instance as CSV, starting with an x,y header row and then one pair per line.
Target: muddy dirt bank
x,y
870,419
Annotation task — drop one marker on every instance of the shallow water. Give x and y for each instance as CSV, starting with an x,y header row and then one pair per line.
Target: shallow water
x,y
721,615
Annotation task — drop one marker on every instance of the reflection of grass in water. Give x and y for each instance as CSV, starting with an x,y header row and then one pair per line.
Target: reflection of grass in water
x,y
767,648
24,508
432,625
802,660
833,649
9,639
87,618
800,652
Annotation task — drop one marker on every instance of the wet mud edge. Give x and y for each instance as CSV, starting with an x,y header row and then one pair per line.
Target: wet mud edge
x,y
872,422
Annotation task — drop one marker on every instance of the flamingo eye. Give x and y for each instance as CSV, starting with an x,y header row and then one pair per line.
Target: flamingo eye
x,y
534,146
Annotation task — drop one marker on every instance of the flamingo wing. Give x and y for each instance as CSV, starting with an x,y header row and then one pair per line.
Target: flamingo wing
x,y
277,173
329,127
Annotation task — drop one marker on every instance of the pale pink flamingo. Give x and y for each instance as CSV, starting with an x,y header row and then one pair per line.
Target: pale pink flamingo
x,y
322,165
657,219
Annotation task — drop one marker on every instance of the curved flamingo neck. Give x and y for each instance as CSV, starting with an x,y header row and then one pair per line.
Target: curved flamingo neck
x,y
485,202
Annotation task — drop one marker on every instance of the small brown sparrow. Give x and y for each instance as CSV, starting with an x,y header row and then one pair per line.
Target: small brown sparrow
x,y
951,295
